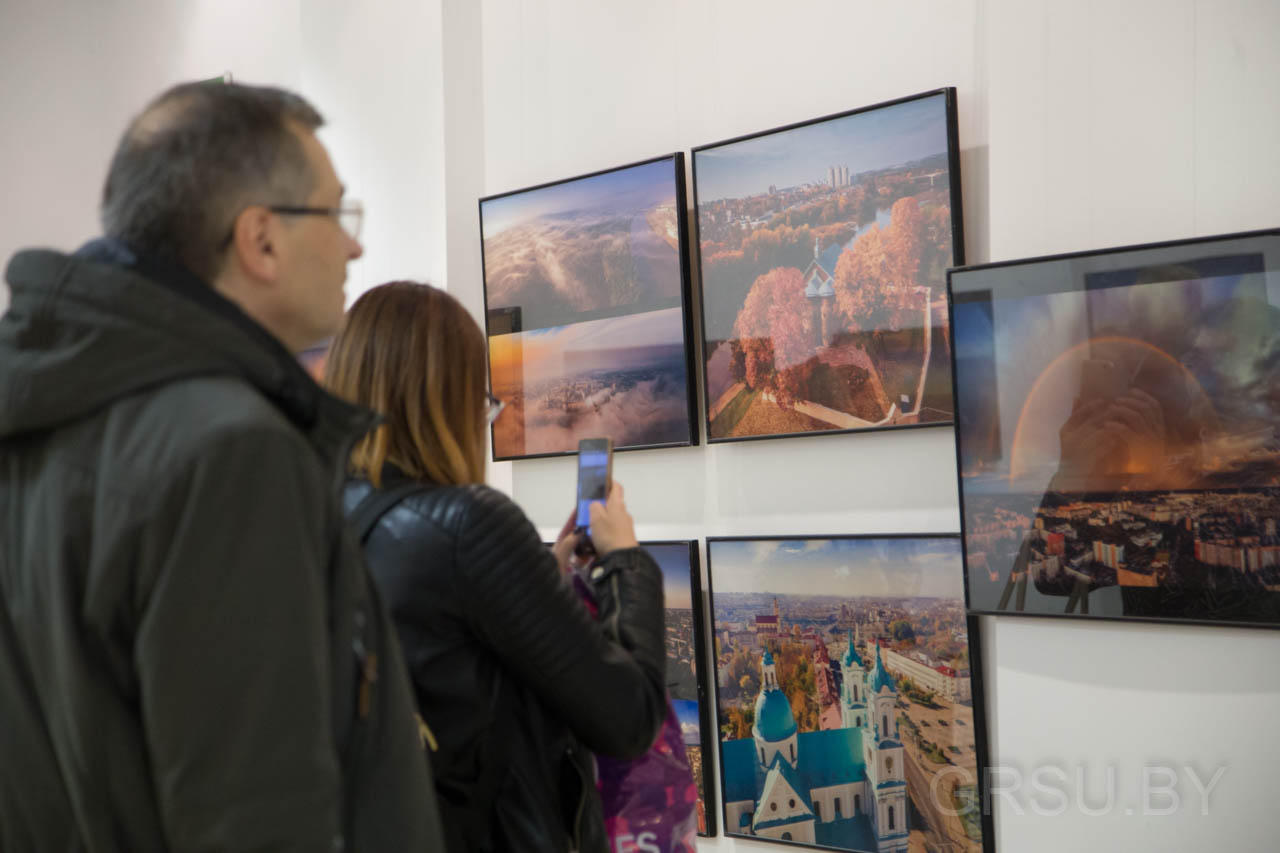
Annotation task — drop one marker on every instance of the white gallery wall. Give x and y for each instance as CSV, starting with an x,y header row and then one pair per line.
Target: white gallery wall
x,y
75,71
1082,125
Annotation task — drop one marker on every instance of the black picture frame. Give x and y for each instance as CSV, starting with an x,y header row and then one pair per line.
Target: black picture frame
x,y
980,813
1135,497
695,641
841,363
508,319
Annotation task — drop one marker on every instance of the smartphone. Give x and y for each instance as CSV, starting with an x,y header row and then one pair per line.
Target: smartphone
x,y
595,474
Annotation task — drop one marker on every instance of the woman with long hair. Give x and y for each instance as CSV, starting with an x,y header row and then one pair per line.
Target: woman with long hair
x,y
515,680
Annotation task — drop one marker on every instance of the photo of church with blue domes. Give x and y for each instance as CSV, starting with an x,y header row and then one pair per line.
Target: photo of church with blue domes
x,y
845,703
841,787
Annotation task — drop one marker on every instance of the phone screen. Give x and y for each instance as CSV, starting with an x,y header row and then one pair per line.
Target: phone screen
x,y
593,477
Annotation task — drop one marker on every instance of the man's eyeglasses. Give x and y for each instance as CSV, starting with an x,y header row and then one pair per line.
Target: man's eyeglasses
x,y
350,215
493,407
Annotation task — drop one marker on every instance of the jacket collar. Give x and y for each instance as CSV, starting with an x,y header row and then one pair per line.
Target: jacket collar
x,y
87,328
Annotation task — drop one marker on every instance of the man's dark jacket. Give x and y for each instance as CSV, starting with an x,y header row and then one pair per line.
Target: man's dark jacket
x,y
512,674
191,655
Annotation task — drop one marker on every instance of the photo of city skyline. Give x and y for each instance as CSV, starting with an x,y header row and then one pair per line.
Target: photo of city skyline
x,y
1117,432
823,249
845,697
584,283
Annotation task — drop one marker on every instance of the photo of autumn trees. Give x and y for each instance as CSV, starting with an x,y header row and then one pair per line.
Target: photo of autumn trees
x,y
823,256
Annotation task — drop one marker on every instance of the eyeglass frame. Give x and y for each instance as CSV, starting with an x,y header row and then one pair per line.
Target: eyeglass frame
x,y
493,408
351,208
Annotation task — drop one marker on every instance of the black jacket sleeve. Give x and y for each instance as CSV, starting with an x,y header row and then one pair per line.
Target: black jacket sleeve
x,y
604,678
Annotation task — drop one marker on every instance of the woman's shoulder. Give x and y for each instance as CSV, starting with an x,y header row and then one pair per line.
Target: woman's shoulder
x,y
457,509
469,499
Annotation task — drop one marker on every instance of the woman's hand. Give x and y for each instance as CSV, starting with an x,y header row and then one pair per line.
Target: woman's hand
x,y
612,527
566,542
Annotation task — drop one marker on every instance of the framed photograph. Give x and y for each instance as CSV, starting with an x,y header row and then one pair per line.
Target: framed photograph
x,y
1117,432
586,297
848,697
823,249
686,656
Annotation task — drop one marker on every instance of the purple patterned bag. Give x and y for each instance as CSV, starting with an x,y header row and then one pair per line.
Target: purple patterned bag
x,y
650,803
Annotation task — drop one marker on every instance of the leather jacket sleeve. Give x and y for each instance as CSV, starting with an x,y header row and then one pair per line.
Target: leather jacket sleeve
x,y
604,678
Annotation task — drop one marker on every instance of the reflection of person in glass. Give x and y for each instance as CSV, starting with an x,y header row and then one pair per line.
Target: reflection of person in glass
x,y
1105,437
1139,422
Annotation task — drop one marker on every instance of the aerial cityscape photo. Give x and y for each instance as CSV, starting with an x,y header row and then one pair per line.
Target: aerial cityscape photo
x,y
1129,463
845,696
823,251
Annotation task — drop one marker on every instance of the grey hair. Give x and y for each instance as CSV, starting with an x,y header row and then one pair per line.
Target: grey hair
x,y
194,158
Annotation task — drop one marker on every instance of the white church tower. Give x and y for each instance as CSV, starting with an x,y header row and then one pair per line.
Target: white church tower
x,y
882,753
853,689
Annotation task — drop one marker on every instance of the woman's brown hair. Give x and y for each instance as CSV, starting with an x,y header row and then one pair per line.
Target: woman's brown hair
x,y
412,353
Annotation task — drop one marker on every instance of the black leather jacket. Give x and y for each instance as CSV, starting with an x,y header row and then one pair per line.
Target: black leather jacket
x,y
512,674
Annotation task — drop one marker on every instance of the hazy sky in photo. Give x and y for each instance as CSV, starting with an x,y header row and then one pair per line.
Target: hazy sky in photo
x,y
878,567
674,562
622,190
1039,345
876,139
552,352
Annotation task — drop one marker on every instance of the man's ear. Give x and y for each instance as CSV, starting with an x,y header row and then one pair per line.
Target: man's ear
x,y
253,243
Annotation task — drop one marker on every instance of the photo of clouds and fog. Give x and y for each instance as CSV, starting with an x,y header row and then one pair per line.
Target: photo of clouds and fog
x,y
622,377
584,294
593,247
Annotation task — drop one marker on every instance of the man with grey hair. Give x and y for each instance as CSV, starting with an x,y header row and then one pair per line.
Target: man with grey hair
x,y
191,654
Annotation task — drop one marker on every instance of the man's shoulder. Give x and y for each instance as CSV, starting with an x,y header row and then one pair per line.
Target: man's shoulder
x,y
208,408
162,431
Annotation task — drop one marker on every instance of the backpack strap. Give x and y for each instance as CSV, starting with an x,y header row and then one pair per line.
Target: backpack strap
x,y
363,518
375,505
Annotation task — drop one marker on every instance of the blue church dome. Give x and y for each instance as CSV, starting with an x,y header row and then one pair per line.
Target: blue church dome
x,y
774,720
